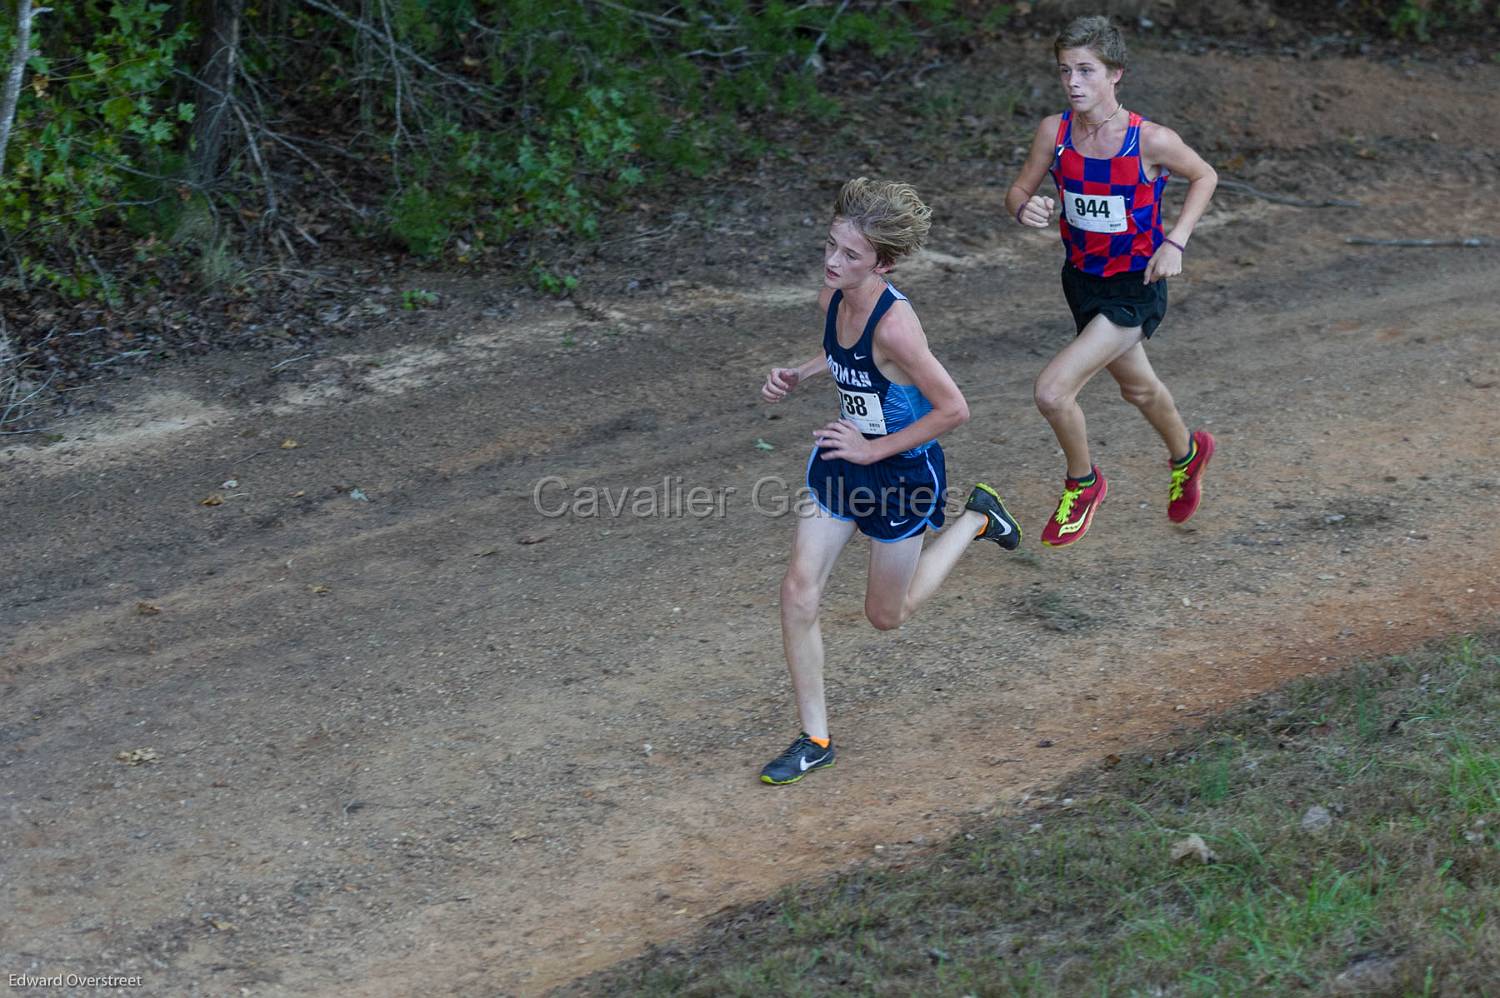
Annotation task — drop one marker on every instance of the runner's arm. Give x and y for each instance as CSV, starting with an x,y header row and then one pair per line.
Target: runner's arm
x,y
1023,191
782,380
1160,146
901,348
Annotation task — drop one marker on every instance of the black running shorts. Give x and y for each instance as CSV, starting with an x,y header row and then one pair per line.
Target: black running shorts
x,y
1124,299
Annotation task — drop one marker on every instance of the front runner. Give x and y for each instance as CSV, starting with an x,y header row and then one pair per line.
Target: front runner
x,y
1110,166
878,468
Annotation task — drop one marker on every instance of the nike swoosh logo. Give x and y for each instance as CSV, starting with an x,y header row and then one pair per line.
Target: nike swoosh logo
x,y
802,761
858,357
897,523
1004,527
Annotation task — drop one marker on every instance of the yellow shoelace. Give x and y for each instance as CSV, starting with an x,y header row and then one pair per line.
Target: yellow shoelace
x,y
1179,479
1066,506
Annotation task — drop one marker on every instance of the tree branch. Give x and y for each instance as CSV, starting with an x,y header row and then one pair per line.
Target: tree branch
x,y
400,130
670,22
17,396
216,94
1240,187
380,38
1471,241
24,14
813,58
254,146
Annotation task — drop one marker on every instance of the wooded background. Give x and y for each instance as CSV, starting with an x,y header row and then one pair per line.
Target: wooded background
x,y
209,132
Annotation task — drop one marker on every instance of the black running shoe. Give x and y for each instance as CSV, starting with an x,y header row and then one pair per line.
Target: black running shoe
x,y
802,757
999,525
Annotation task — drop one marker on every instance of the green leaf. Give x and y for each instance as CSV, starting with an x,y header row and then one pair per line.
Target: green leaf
x,y
117,111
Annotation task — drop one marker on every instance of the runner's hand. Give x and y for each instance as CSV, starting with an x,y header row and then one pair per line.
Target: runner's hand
x,y
1037,211
1165,262
779,382
841,439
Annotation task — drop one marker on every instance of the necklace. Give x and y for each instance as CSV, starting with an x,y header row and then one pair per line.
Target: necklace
x,y
1095,129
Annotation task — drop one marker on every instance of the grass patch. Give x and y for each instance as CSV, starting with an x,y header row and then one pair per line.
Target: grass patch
x,y
1394,895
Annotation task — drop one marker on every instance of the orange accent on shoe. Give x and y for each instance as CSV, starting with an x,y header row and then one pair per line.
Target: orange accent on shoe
x,y
820,742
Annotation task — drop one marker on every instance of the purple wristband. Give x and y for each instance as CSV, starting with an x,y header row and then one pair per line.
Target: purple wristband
x,y
1018,213
1180,248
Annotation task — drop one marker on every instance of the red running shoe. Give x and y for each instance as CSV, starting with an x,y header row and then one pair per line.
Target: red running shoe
x,y
1187,479
1075,511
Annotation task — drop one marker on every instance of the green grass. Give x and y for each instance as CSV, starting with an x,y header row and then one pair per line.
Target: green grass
x,y
1395,897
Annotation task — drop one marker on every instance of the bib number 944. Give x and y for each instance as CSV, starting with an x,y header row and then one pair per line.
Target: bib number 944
x,y
1096,212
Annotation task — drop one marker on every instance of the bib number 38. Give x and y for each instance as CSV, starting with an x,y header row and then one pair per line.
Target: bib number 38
x,y
1096,212
863,410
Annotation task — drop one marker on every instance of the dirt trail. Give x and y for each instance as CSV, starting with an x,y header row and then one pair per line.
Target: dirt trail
x,y
403,743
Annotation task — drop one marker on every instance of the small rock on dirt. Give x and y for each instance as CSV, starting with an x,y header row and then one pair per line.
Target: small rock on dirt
x,y
1316,819
1192,849
536,536
1369,973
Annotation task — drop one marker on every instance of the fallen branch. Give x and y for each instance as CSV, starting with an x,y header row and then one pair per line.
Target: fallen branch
x,y
17,395
121,356
290,360
636,237
1367,241
1240,187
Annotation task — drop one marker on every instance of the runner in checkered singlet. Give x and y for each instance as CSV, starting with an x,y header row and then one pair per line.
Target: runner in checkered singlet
x,y
1111,167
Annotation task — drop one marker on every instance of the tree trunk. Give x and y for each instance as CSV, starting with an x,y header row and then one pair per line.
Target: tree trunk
x,y
217,62
24,13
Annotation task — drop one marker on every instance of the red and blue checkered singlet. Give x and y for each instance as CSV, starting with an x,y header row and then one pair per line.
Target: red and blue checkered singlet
x,y
1111,219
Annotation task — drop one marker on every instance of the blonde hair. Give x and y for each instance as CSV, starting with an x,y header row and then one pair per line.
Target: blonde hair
x,y
1099,35
891,215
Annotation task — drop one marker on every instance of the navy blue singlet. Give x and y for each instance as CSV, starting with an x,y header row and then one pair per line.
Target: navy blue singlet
x,y
873,403
904,494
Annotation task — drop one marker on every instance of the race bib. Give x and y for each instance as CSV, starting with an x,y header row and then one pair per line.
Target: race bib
x,y
1096,212
863,410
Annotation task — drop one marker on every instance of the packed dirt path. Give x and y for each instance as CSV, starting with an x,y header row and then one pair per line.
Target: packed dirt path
x,y
397,730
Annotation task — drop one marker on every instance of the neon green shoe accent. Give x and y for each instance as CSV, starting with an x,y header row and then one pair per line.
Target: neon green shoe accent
x,y
1179,479
1064,508
796,779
